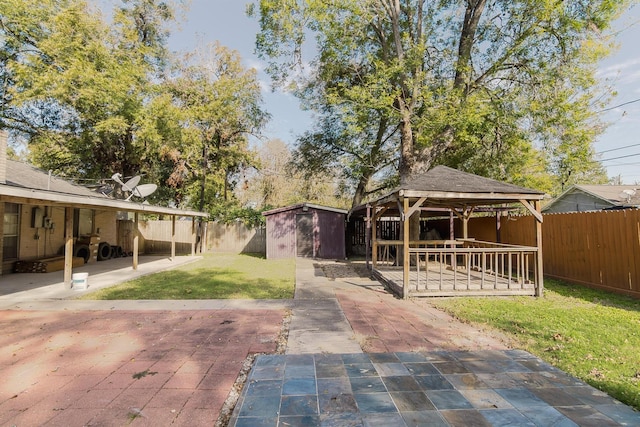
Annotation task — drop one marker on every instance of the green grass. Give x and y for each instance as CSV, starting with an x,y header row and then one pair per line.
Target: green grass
x,y
593,335
216,276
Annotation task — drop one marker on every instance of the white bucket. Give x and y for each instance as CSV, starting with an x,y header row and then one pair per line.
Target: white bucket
x,y
79,281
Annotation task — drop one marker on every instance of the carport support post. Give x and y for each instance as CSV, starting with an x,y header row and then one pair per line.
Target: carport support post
x,y
405,248
68,247
136,238
193,236
173,237
539,260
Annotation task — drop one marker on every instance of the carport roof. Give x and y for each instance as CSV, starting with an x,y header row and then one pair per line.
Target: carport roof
x,y
27,184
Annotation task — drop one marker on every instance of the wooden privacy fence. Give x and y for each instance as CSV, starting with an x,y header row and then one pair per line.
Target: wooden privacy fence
x,y
598,249
155,237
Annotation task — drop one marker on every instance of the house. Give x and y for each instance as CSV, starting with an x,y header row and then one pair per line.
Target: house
x,y
581,198
45,217
306,230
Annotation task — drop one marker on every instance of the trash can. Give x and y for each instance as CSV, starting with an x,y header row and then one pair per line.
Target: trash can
x,y
79,281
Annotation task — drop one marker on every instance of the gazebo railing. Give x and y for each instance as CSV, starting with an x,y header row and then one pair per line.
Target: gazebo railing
x,y
463,266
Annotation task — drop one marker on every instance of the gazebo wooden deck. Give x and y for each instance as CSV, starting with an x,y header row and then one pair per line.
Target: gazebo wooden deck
x,y
454,267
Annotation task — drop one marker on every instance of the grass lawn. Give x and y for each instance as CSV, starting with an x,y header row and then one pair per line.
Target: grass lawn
x,y
216,276
591,334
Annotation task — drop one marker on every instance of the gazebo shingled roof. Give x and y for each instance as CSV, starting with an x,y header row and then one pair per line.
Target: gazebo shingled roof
x,y
443,186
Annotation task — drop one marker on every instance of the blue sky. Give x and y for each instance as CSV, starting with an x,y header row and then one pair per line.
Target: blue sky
x,y
225,21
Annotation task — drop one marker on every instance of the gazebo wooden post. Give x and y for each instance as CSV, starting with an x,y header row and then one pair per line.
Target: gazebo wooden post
x,y
374,238
452,234
367,237
405,248
539,260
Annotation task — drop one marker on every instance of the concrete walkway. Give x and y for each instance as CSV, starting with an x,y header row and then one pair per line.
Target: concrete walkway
x,y
318,324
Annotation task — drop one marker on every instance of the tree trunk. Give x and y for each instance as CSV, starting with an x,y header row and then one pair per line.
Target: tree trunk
x,y
203,179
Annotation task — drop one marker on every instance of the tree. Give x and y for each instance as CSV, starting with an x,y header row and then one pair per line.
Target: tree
x,y
75,87
476,84
218,105
276,182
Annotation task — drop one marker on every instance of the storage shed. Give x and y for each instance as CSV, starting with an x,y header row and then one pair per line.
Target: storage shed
x,y
306,230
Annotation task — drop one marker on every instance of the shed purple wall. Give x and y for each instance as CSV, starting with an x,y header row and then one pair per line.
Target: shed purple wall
x,y
328,234
281,235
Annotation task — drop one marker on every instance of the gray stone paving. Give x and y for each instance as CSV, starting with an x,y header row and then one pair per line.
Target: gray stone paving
x,y
481,388
325,379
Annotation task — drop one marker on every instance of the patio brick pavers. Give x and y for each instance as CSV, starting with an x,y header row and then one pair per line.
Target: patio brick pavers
x,y
151,367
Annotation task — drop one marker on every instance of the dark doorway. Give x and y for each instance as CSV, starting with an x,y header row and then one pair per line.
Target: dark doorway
x,y
304,235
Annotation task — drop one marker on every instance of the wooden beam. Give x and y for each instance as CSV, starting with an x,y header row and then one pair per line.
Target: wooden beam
x,y
377,215
416,206
458,214
401,209
539,258
68,247
466,214
514,197
531,208
136,238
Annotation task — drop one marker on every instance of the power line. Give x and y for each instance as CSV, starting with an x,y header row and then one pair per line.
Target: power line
x,y
619,105
619,148
620,157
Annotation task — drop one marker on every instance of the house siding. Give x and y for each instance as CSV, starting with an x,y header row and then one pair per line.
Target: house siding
x,y
578,202
40,242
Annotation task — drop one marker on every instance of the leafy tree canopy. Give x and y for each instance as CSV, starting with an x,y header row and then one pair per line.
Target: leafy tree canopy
x,y
92,97
502,88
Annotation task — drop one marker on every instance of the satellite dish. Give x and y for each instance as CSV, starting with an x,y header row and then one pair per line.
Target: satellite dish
x,y
126,186
131,186
143,190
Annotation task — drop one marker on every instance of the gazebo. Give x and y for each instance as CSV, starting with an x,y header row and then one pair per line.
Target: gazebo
x,y
454,267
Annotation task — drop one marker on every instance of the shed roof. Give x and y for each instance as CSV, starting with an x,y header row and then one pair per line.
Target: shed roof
x,y
27,184
303,205
443,186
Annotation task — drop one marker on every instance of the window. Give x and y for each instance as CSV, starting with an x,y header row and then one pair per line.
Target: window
x,y
82,222
11,231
